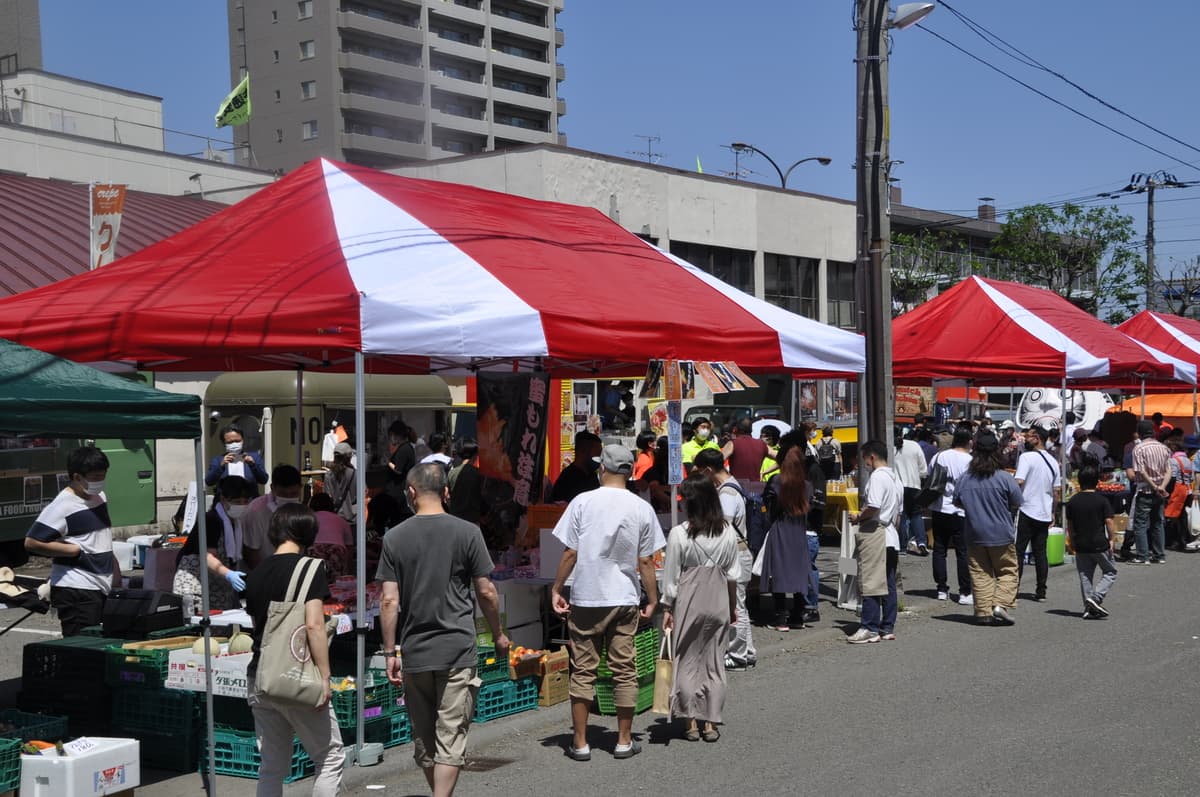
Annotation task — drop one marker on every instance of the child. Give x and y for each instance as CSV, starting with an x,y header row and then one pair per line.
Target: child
x,y
1090,525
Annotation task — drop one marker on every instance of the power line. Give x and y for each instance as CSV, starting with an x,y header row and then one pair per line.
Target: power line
x,y
1028,60
1054,100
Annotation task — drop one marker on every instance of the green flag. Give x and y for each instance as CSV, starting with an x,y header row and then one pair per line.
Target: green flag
x,y
235,109
699,168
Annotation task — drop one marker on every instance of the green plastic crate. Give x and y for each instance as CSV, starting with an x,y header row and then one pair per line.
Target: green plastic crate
x,y
183,630
605,702
645,652
26,726
232,712
505,697
77,658
399,730
236,753
10,764
156,710
490,673
173,752
147,668
379,700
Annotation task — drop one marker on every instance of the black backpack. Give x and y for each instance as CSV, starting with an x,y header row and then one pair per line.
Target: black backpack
x,y
826,451
756,516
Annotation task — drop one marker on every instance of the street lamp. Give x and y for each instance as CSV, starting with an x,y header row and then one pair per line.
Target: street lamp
x,y
873,229
740,147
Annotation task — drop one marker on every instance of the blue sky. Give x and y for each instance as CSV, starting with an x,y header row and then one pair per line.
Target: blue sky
x,y
780,75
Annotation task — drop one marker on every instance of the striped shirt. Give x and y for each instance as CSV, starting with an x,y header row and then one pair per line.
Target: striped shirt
x,y
1151,459
83,522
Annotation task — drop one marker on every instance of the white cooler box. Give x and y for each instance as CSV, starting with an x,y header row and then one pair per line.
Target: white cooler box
x,y
110,767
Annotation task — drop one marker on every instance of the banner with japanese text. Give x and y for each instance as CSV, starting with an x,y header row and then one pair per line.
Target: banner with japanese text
x,y
107,203
512,410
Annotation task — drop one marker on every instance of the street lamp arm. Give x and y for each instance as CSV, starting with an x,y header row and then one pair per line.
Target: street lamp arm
x,y
770,160
819,158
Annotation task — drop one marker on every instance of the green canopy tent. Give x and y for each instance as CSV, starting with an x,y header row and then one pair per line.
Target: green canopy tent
x,y
47,396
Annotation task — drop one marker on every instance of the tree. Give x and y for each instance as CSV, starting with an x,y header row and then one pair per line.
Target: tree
x,y
1179,291
1085,255
922,262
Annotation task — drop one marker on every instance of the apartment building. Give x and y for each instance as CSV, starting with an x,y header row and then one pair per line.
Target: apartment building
x,y
386,82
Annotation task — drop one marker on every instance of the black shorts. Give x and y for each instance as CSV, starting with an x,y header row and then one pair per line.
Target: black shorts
x,y
77,608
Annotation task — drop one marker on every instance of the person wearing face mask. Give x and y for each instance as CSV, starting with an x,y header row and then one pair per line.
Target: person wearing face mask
x,y
580,476
341,483
701,439
223,529
74,530
249,463
285,489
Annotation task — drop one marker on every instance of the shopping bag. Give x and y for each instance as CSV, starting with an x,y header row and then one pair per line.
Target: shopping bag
x,y
664,676
756,568
286,670
1194,517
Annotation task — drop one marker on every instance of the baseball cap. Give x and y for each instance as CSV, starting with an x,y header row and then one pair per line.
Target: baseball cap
x,y
1007,425
1145,429
616,459
986,441
343,448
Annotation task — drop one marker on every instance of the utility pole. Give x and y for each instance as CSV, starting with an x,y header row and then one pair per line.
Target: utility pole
x,y
1150,271
1143,183
873,227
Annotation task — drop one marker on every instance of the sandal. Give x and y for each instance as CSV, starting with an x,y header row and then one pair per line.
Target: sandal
x,y
692,735
712,735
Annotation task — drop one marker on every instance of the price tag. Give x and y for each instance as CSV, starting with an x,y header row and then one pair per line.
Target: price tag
x,y
344,624
79,746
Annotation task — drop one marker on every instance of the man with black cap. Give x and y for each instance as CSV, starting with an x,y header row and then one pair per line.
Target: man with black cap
x,y
1041,484
611,536
1152,471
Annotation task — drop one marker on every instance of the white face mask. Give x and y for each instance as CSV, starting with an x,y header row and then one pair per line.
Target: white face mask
x,y
703,433
813,435
233,448
95,488
235,511
280,500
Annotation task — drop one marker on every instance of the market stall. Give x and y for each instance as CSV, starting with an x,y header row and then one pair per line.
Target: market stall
x,y
344,268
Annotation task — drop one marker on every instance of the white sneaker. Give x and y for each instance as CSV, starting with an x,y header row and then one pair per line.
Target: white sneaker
x,y
914,548
966,600
943,596
861,636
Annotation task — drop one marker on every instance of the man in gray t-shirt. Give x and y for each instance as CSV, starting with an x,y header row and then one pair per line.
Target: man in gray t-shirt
x,y
428,566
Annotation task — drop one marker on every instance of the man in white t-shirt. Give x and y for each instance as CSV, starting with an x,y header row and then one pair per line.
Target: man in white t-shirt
x,y
74,530
911,467
948,519
1041,484
877,546
741,653
611,536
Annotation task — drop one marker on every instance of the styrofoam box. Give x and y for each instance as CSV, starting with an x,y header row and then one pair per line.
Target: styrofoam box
x,y
552,553
112,767
123,552
521,602
186,671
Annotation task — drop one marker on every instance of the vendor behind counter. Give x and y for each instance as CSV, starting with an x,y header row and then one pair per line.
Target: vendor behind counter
x,y
226,567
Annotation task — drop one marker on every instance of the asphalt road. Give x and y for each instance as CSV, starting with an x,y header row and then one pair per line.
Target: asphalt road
x,y
1051,705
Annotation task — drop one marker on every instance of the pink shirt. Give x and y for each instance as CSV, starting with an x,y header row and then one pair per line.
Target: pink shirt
x,y
333,530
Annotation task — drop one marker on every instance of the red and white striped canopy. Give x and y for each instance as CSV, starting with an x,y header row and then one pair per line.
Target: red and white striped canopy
x,y
422,277
995,332
1172,334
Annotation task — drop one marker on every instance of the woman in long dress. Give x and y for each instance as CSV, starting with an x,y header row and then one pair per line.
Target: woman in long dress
x,y
700,574
786,557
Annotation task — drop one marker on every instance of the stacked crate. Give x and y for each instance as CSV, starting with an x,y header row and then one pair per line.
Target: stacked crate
x,y
645,644
500,695
61,677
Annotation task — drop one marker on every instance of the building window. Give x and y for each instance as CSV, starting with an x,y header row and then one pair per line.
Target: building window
x,y
304,9
842,304
308,89
275,56
791,283
308,130
278,135
308,50
732,266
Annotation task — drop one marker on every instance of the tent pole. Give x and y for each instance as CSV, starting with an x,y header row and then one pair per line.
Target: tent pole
x,y
301,433
360,521
210,782
1062,454
1195,413
1143,398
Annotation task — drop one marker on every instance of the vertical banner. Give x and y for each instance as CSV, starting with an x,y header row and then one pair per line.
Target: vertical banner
x,y
512,436
673,388
107,202
566,425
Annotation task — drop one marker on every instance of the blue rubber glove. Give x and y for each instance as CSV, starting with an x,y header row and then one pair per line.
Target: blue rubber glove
x,y
237,580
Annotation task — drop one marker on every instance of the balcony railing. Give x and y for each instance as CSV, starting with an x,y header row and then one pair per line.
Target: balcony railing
x,y
955,266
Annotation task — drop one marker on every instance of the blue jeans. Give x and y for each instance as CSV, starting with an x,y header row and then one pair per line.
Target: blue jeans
x,y
814,578
881,619
912,521
1148,526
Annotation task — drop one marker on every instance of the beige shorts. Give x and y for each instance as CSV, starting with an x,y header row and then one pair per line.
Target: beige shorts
x,y
593,629
440,706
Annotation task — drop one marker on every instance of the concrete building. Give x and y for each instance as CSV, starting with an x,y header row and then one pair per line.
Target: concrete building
x,y
382,82
20,35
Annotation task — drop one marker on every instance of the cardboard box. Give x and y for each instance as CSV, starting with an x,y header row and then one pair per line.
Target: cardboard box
x,y
558,661
554,689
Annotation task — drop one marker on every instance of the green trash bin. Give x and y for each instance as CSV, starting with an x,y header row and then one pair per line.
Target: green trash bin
x,y
1056,547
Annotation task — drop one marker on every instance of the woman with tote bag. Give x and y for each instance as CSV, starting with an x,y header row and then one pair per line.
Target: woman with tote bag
x,y
283,583
700,573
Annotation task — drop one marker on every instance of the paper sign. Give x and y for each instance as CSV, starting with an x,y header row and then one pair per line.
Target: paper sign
x,y
705,372
191,509
79,746
673,390
674,442
236,469
740,374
